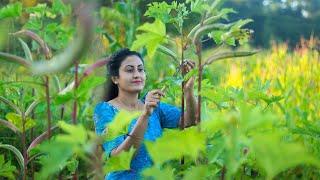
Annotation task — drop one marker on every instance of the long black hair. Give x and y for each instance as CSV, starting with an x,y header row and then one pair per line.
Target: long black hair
x,y
113,65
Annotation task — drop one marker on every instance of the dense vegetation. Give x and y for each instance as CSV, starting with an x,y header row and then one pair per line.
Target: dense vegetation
x,y
259,111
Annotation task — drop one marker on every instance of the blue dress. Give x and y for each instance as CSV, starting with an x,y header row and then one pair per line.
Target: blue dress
x,y
164,116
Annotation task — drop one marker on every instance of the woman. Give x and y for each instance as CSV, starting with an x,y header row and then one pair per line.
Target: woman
x,y
127,79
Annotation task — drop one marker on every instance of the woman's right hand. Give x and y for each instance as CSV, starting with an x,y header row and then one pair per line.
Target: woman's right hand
x,y
151,101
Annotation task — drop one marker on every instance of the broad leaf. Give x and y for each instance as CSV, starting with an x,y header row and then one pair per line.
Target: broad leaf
x,y
120,124
153,35
57,155
11,10
275,156
119,162
159,11
198,172
16,119
174,144
159,174
87,84
76,134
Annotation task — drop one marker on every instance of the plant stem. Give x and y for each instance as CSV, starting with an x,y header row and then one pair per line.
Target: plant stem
x,y
75,107
32,135
48,105
198,51
23,138
74,111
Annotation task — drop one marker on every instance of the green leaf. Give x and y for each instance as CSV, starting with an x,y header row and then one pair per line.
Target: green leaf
x,y
38,10
26,50
198,6
6,169
240,23
153,35
213,124
59,7
217,36
225,11
57,155
76,134
159,174
17,154
159,10
119,162
273,99
11,11
175,143
197,172
231,41
119,125
88,84
275,156
112,14
16,119
72,165
63,98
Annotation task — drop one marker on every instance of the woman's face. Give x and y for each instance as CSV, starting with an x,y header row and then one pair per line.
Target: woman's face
x,y
131,75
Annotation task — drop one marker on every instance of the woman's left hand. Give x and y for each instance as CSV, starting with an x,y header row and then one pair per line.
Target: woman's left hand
x,y
188,65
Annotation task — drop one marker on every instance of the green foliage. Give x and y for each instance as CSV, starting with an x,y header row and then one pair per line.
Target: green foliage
x,y
275,156
198,6
11,11
160,10
6,169
197,172
55,35
57,155
17,154
17,120
238,134
153,35
158,174
173,145
26,49
120,124
62,150
82,92
119,162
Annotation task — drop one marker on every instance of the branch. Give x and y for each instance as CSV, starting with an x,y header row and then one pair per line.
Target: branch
x,y
207,28
17,154
77,48
31,107
9,125
99,63
40,138
225,55
168,52
9,103
15,59
45,49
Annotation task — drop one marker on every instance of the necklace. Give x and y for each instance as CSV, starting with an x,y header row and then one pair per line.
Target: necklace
x,y
129,107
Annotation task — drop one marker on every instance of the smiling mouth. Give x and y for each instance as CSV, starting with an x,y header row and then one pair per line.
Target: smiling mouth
x,y
137,82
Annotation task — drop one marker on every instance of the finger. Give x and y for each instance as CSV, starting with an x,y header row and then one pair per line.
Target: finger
x,y
158,91
152,104
154,100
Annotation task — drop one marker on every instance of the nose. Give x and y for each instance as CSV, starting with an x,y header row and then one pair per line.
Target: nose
x,y
136,74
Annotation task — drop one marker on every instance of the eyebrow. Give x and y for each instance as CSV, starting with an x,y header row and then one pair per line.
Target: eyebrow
x,y
133,66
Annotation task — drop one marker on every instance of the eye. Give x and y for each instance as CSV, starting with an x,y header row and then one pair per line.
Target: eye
x,y
140,69
129,69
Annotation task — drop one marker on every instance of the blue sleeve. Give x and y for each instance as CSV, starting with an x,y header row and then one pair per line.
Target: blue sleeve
x,y
169,115
103,115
